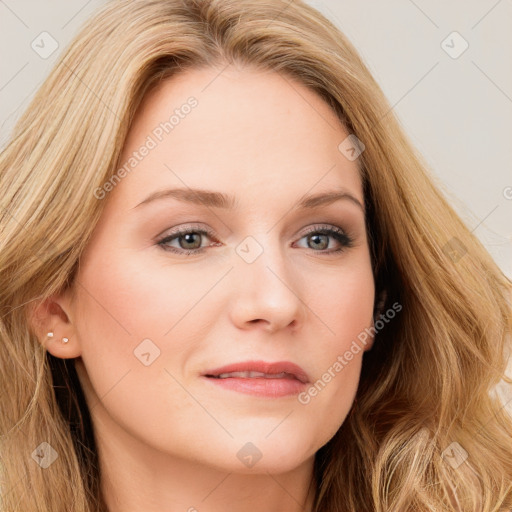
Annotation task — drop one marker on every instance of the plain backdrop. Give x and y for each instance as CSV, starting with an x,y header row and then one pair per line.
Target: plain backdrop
x,y
445,67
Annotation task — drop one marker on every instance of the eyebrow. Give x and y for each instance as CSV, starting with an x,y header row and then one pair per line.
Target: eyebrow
x,y
214,199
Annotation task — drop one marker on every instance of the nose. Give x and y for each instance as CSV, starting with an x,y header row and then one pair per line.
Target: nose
x,y
266,293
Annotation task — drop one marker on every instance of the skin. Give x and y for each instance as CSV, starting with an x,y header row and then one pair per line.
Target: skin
x,y
167,439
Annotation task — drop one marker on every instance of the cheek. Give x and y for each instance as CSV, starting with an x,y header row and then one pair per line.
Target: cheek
x,y
138,298
121,306
123,313
344,308
343,303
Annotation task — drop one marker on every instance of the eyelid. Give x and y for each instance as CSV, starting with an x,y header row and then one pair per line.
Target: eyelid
x,y
180,231
189,227
210,232
320,227
344,238
347,238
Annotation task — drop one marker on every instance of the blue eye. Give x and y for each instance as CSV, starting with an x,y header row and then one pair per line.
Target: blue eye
x,y
189,240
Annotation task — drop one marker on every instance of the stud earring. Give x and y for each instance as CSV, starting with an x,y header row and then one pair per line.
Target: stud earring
x,y
50,335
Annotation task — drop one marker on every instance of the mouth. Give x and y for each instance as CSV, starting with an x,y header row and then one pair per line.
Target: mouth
x,y
253,375
260,384
259,370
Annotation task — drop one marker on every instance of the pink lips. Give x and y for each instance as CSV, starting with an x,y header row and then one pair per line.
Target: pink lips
x,y
292,378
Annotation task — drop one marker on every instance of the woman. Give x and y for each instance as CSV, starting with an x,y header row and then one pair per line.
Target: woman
x,y
228,282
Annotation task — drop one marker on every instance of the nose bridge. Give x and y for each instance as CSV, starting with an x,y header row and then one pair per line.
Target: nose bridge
x,y
267,288
262,255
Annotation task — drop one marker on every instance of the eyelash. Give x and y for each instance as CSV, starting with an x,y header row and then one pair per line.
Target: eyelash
x,y
345,240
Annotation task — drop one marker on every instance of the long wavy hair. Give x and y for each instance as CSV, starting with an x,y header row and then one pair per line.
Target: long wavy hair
x,y
426,394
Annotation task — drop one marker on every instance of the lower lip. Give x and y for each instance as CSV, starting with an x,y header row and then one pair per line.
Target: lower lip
x,y
271,388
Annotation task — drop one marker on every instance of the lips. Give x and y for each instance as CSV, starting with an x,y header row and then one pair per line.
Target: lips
x,y
259,370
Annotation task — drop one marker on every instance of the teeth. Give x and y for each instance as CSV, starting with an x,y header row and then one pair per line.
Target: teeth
x,y
252,375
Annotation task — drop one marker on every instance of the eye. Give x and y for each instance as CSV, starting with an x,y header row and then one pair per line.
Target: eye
x,y
187,239
318,237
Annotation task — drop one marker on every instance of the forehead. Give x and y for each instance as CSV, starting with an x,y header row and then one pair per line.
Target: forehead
x,y
260,134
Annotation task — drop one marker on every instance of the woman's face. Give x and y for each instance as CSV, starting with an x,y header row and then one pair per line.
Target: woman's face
x,y
254,276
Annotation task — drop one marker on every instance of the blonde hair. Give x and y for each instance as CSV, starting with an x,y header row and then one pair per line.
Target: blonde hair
x,y
426,386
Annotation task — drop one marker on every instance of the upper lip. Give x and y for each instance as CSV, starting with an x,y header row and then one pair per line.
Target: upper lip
x,y
262,367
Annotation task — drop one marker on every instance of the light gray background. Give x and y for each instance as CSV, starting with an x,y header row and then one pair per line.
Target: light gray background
x,y
457,111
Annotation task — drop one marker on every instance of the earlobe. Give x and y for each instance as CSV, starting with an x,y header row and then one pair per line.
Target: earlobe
x,y
64,340
62,347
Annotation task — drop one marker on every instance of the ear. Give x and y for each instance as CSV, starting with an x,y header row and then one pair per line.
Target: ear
x,y
380,302
54,315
